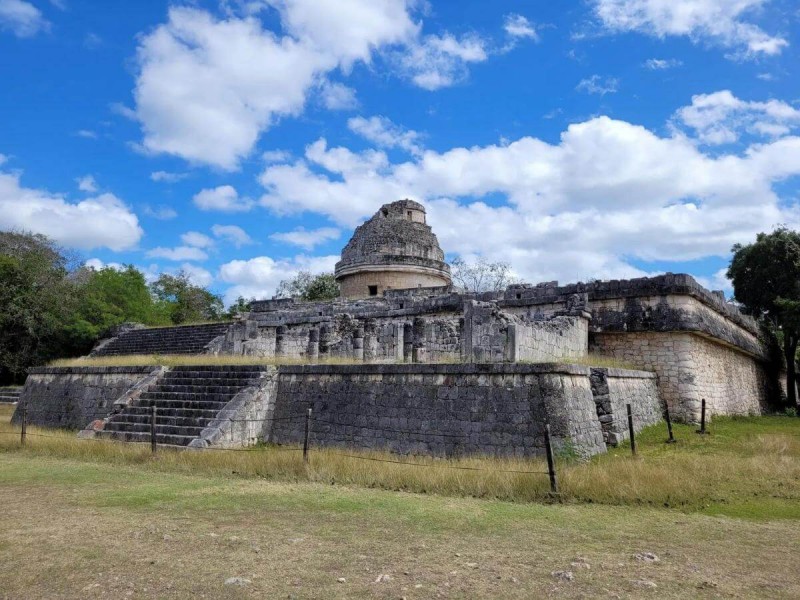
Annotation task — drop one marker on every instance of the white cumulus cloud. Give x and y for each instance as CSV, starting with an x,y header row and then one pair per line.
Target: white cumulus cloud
x,y
307,238
224,198
101,221
259,277
87,183
197,239
178,253
598,85
232,234
21,18
607,193
721,118
722,22
207,87
382,132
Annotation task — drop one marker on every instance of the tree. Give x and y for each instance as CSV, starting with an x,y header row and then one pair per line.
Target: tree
x,y
109,297
36,301
481,275
308,287
238,308
766,281
184,301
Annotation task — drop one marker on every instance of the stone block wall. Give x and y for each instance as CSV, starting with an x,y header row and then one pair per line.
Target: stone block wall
x,y
690,368
613,390
560,338
444,409
72,397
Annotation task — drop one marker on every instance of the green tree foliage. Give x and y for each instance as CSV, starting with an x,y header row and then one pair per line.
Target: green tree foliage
x,y
238,308
308,287
186,302
766,280
52,307
36,300
109,297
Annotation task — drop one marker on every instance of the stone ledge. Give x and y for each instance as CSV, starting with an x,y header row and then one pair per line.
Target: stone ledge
x,y
436,369
625,373
91,370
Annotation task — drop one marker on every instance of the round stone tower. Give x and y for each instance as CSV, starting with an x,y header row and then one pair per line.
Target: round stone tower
x,y
395,249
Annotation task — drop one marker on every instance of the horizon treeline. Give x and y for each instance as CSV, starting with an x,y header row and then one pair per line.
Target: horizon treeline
x,y
53,306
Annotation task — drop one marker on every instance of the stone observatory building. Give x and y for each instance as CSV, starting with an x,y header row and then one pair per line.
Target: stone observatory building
x,y
395,249
405,362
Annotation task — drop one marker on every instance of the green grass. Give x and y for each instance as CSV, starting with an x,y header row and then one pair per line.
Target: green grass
x,y
73,528
747,467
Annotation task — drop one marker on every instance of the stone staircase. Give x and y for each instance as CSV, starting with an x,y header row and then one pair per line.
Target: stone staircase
x,y
187,399
10,394
183,339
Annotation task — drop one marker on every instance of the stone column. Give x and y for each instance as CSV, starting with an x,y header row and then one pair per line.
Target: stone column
x,y
313,344
370,340
280,341
408,342
419,351
358,343
325,333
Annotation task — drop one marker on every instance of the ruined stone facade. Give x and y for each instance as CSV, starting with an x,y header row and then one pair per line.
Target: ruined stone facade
x,y
697,345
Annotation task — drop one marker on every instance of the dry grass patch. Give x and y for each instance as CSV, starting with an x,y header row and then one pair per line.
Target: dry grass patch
x,y
178,360
747,467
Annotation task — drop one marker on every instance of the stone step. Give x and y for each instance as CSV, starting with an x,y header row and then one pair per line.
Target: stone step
x,y
229,390
183,397
137,436
174,420
161,429
191,339
221,380
194,413
186,404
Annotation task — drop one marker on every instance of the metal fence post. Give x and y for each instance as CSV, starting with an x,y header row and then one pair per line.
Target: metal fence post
x,y
24,415
305,439
632,432
551,465
153,428
671,439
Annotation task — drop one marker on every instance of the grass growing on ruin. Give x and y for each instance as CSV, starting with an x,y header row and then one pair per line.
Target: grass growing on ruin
x,y
747,467
179,360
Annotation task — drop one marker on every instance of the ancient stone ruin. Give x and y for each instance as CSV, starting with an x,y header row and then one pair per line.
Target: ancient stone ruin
x,y
404,361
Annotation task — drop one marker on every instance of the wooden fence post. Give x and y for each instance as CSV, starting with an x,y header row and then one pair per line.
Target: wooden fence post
x,y
305,439
551,465
632,432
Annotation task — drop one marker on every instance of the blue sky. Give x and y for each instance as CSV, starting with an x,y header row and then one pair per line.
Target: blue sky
x,y
242,140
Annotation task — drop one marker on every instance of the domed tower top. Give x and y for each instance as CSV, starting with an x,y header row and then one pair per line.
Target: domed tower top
x,y
395,249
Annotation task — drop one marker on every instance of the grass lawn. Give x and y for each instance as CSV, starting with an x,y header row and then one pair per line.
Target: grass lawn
x,y
720,512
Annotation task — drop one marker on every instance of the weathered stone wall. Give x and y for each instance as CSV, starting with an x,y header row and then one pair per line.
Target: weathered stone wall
x,y
72,397
560,338
358,285
442,409
613,390
690,368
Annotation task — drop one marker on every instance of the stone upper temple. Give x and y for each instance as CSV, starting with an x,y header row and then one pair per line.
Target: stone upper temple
x,y
395,249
